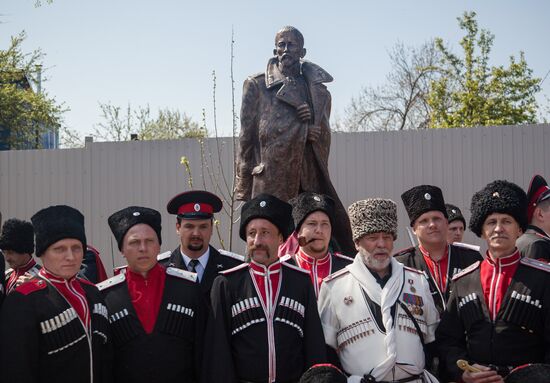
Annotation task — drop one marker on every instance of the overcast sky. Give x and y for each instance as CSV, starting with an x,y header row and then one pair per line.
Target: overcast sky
x,y
162,53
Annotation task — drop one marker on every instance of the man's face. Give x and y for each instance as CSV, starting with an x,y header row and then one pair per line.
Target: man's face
x,y
431,228
455,232
500,231
317,229
140,247
262,241
15,259
194,235
63,258
376,249
288,48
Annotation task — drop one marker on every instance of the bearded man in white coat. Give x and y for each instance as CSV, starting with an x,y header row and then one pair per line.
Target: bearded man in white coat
x,y
376,313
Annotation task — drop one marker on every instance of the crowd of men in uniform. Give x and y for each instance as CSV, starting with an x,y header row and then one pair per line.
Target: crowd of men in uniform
x,y
293,309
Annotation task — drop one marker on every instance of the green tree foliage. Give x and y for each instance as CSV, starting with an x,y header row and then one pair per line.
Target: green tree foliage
x,y
470,92
24,114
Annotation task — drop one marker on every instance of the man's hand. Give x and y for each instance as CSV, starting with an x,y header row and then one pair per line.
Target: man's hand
x,y
304,112
313,133
485,375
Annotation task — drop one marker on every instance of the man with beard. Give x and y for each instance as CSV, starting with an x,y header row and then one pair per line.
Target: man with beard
x,y
55,328
498,315
438,260
17,244
535,242
376,313
284,142
157,315
194,224
264,324
313,216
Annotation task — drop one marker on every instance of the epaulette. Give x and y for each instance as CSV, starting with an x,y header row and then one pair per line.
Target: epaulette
x,y
31,286
238,267
229,254
295,267
405,251
467,246
542,236
183,274
117,279
413,270
340,255
467,270
8,272
335,275
285,258
535,264
163,256
120,270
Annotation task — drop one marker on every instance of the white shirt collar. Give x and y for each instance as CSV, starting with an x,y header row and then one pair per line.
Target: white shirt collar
x,y
203,259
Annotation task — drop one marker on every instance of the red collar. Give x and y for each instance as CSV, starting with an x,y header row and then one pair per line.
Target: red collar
x,y
54,278
260,269
303,257
509,260
426,254
154,272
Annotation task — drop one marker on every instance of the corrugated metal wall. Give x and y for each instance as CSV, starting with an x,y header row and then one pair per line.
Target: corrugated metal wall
x,y
105,177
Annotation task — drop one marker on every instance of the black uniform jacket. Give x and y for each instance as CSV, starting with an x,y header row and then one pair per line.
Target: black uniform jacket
x,y
459,259
241,338
173,351
534,243
216,262
521,332
42,338
2,281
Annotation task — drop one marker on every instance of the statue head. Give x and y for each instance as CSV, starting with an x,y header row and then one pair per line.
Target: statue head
x,y
289,46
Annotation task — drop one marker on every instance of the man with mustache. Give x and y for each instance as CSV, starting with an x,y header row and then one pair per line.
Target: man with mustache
x,y
535,242
498,315
194,212
264,325
376,313
284,142
434,256
313,216
157,314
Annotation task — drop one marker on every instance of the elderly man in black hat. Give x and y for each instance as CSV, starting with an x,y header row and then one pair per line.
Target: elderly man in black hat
x,y
17,244
313,216
157,314
457,224
498,314
55,328
264,325
376,313
434,256
535,242
194,212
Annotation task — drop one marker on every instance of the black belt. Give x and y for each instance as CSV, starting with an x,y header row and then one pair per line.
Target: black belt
x,y
370,378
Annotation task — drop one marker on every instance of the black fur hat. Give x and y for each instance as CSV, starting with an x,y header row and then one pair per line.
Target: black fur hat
x,y
55,223
323,373
306,203
268,207
498,197
17,235
121,221
421,199
454,213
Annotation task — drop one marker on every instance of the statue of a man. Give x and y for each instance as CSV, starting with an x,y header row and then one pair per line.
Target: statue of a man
x,y
284,141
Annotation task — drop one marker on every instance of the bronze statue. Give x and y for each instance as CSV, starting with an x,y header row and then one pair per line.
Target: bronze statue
x,y
284,141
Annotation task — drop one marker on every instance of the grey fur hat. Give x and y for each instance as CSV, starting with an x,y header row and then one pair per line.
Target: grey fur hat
x,y
373,215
